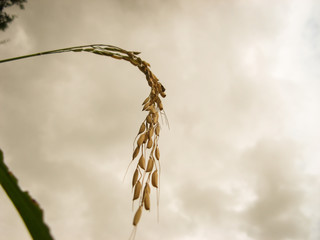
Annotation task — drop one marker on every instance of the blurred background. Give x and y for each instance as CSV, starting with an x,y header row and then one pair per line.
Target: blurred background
x,y
241,158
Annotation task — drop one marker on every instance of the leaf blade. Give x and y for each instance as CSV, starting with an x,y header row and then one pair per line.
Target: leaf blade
x,y
28,208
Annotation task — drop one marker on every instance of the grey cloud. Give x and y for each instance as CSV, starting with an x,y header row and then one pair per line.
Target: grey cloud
x,y
280,194
68,120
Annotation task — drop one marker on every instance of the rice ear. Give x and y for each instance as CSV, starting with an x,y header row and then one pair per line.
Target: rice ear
x,y
154,107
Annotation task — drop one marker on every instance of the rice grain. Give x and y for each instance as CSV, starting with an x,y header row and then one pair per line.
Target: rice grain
x,y
154,179
137,216
137,190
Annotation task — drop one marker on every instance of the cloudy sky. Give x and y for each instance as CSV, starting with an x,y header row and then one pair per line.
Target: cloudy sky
x,y
241,158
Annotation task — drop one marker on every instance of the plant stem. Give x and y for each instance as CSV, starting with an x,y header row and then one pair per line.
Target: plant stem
x,y
70,49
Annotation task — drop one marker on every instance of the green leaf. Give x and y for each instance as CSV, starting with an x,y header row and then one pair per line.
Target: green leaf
x,y
28,208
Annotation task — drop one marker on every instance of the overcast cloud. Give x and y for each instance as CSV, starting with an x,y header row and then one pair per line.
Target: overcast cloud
x,y
241,158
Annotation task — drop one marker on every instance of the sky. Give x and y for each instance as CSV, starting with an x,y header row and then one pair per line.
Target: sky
x,y
240,159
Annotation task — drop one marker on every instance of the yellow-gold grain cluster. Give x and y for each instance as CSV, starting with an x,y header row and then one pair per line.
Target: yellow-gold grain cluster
x,y
146,148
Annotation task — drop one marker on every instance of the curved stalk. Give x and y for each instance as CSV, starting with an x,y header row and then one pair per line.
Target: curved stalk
x,y
149,147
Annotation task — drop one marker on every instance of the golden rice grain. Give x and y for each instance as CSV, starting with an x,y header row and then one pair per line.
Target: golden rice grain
x,y
146,63
150,164
160,105
149,119
116,56
146,100
146,106
154,179
162,88
157,153
155,118
147,189
141,139
135,63
137,190
142,128
151,109
136,152
147,201
157,130
137,216
163,94
150,132
145,138
150,142
135,177
142,162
